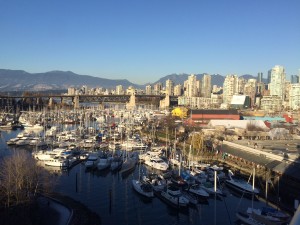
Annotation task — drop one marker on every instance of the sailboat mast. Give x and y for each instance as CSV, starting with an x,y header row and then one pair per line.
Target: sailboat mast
x,y
253,180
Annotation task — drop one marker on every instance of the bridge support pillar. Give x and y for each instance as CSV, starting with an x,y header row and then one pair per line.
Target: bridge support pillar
x,y
165,103
76,102
101,106
50,104
131,103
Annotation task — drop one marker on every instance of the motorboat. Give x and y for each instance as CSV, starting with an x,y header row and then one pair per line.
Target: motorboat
x,y
157,163
209,188
12,141
33,127
37,142
134,145
178,180
50,154
157,181
57,162
197,190
104,163
187,177
116,163
218,169
91,161
144,189
149,154
175,162
23,141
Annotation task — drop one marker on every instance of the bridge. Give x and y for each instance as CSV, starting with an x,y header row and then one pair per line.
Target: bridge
x,y
131,100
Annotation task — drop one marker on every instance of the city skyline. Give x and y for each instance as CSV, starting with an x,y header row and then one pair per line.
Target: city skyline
x,y
144,41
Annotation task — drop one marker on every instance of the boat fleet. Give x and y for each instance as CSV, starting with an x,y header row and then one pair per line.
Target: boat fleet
x,y
118,147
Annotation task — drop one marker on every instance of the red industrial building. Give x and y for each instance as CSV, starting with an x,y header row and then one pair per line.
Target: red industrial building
x,y
203,116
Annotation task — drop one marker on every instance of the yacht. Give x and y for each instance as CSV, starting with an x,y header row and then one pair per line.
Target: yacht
x,y
157,163
23,141
50,154
149,154
133,145
37,142
33,127
57,162
12,141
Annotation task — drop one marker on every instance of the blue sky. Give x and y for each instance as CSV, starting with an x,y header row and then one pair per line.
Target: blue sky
x,y
143,41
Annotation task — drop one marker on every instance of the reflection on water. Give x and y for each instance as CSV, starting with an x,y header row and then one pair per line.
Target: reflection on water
x,y
112,197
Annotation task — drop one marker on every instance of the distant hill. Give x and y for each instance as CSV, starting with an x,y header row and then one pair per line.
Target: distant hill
x,y
19,80
216,79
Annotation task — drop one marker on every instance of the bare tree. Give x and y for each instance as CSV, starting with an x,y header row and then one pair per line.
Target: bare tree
x,y
21,179
253,127
197,141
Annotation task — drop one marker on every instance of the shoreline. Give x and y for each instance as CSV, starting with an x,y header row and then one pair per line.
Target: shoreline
x,y
81,215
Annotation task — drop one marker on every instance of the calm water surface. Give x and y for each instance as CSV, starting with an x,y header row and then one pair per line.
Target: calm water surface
x,y
126,207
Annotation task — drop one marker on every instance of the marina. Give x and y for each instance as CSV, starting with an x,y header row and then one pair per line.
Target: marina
x,y
116,192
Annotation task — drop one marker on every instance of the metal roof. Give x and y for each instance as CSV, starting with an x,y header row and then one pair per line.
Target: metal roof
x,y
215,111
283,167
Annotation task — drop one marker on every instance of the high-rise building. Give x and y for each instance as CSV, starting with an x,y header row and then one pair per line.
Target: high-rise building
x,y
241,85
294,79
71,91
148,90
157,88
169,87
206,86
230,87
178,90
119,90
250,90
277,84
192,86
131,90
84,89
216,89
259,77
261,87
269,76
294,93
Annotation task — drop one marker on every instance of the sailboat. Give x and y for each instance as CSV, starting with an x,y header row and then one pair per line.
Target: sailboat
x,y
142,188
260,217
240,185
174,197
116,163
129,163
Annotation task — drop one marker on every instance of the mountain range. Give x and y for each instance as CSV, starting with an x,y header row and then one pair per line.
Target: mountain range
x,y
20,80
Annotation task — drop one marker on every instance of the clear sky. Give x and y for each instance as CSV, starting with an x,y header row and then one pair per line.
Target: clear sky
x,y
144,40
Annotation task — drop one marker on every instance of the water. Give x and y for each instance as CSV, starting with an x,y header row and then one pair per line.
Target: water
x,y
126,207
